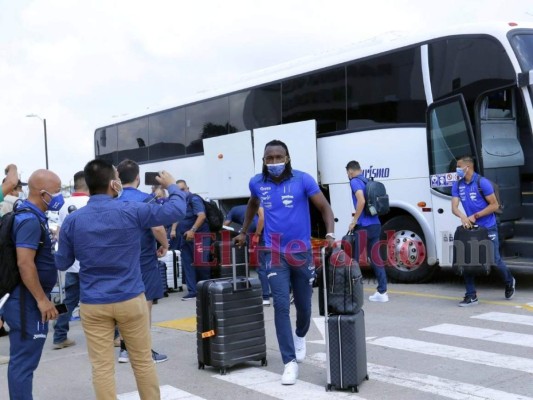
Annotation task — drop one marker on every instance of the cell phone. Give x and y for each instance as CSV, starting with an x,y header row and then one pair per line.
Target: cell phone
x,y
149,178
3,300
61,308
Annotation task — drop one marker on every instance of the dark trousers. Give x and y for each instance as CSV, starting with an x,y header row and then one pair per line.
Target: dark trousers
x,y
72,298
25,353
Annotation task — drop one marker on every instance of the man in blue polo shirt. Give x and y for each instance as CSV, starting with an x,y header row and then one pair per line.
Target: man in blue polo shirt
x,y
284,194
105,238
369,224
479,209
191,259
29,308
128,172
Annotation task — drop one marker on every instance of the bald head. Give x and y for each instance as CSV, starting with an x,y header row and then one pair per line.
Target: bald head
x,y
42,185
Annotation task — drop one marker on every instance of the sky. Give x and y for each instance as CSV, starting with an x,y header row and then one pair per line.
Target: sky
x,y
81,64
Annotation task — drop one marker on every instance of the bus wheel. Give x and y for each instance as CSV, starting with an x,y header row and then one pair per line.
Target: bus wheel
x,y
406,258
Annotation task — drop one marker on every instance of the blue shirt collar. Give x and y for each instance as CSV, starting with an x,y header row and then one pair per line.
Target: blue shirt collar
x,y
29,204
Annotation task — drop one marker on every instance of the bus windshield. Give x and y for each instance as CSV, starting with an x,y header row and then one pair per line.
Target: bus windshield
x,y
523,46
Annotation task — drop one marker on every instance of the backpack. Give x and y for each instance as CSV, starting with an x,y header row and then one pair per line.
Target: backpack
x,y
9,270
213,216
496,189
376,197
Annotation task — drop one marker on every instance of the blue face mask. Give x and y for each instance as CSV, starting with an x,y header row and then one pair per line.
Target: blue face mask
x,y
460,173
56,201
276,169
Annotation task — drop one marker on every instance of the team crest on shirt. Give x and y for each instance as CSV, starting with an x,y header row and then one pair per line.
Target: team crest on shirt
x,y
287,200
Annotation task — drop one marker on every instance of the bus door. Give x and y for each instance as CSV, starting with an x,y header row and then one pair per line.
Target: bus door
x,y
229,164
450,136
300,138
501,151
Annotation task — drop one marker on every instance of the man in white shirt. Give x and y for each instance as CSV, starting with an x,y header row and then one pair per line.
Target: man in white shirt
x,y
78,199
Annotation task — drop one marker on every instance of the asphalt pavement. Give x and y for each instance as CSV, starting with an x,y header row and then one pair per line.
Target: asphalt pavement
x,y
420,345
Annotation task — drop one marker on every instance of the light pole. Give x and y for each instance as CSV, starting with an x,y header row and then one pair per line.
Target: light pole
x,y
45,137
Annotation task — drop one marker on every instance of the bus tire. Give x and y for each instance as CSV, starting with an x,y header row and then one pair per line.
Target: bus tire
x,y
405,254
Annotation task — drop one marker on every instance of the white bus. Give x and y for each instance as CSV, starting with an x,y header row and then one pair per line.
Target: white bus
x,y
404,108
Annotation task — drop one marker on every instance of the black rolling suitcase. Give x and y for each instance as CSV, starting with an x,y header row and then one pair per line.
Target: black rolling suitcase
x,y
473,251
346,364
230,323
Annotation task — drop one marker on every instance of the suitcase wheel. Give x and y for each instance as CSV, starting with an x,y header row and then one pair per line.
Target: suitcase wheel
x,y
264,362
223,371
329,387
201,365
355,389
366,377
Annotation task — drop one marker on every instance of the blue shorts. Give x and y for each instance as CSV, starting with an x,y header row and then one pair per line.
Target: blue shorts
x,y
153,286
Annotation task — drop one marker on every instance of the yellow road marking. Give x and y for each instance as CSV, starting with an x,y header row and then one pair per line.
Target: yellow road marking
x,y
441,297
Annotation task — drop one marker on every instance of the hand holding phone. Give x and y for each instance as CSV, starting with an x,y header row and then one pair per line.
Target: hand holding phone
x,y
61,308
149,178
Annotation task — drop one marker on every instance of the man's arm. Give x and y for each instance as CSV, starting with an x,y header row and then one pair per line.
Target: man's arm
x,y
492,207
360,197
12,179
200,218
251,210
30,278
458,213
160,234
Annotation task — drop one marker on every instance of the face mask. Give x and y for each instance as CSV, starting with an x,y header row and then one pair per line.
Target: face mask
x,y
56,201
119,191
276,169
460,173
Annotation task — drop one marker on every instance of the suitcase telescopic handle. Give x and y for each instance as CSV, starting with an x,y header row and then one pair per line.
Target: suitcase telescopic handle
x,y
234,265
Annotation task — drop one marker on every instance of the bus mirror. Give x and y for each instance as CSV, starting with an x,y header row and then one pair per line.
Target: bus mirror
x,y
525,78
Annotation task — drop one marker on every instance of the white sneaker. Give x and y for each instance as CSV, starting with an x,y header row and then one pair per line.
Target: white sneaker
x,y
290,374
266,302
299,347
379,297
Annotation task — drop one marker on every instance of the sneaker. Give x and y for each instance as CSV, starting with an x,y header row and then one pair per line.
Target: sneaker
x,y
379,297
290,374
65,343
291,299
468,301
266,302
299,347
123,356
158,358
188,297
509,290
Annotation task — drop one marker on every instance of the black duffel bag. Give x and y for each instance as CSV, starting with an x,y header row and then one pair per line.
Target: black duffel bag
x,y
473,251
344,284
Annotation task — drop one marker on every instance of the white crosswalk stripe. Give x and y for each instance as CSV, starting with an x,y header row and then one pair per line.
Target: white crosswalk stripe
x,y
269,383
457,353
427,383
167,393
489,335
505,317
